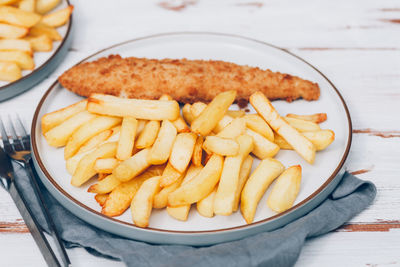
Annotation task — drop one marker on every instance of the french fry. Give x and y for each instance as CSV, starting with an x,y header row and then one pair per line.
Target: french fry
x,y
198,151
285,189
11,31
187,113
221,146
179,123
263,148
16,44
257,124
140,127
101,176
59,135
27,5
244,173
142,202
302,125
300,144
222,123
162,147
191,172
257,184
137,108
44,6
317,117
7,2
200,186
9,71
95,141
85,169
321,139
101,199
127,138
43,29
179,212
161,199
18,17
121,197
22,59
105,165
213,113
182,151
87,131
72,163
170,175
205,207
58,18
133,166
105,185
40,43
51,120
233,129
197,108
149,134
229,182
235,113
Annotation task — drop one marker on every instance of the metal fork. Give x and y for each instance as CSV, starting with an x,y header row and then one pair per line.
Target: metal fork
x,y
18,147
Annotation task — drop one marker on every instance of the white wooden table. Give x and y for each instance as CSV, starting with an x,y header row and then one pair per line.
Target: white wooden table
x,y
355,43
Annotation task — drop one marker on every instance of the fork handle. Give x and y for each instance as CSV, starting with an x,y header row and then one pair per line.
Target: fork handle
x,y
46,214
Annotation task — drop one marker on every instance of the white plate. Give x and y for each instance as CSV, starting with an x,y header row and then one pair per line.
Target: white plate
x,y
317,179
45,62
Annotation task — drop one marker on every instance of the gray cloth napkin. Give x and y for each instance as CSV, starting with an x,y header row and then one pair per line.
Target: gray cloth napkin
x,y
277,248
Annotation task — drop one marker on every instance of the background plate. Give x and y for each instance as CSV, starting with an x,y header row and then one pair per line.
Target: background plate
x,y
318,179
45,62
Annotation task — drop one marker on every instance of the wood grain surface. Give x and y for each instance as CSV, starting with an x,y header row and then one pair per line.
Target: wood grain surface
x,y
356,44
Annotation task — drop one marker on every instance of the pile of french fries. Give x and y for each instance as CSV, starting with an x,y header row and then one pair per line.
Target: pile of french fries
x,y
27,27
146,154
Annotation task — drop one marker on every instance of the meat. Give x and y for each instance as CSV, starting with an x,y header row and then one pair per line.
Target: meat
x,y
185,80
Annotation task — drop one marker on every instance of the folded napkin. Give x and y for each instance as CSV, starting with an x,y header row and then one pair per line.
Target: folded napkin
x,y
277,248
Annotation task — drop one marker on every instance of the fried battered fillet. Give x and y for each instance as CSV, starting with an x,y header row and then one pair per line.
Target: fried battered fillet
x,y
185,80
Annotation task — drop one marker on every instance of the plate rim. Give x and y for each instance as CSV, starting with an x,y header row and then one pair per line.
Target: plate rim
x,y
251,225
36,70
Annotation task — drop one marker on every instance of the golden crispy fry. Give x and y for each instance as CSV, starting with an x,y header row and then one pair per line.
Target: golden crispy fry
x,y
197,108
101,199
179,123
187,113
44,6
58,18
303,125
235,113
101,176
191,172
162,147
21,58
221,146
133,166
182,151
198,151
229,182
7,2
300,144
42,29
170,175
95,141
126,138
87,131
85,169
105,165
233,129
59,135
137,108
263,148
223,123
244,173
105,185
213,113
16,44
121,197
193,111
179,212
142,202
317,117
321,139
282,142
9,71
72,163
161,199
285,189
11,31
257,124
205,207
40,43
257,184
27,5
200,186
18,17
148,135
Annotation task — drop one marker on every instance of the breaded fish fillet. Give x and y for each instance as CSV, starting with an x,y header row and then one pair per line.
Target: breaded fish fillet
x,y
184,80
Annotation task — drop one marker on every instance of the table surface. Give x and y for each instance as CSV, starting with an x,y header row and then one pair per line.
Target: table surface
x,y
355,43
